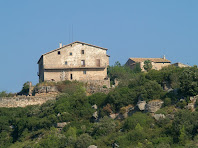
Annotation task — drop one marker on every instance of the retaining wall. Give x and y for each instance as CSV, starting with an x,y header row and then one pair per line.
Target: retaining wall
x,y
22,101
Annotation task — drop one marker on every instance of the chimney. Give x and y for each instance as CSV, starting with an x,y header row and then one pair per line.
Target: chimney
x,y
60,45
164,57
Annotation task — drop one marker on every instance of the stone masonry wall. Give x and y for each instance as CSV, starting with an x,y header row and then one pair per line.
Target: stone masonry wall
x,y
22,101
95,60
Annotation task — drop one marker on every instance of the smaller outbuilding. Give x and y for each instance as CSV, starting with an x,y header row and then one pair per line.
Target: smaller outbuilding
x,y
157,63
180,65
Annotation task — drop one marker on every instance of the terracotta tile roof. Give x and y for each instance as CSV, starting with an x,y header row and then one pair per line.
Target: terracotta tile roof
x,y
157,60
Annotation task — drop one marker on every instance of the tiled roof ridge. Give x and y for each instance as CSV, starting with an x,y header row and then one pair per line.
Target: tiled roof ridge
x,y
152,59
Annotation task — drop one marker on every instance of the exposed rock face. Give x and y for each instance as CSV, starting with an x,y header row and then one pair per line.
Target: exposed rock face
x,y
92,146
95,115
167,86
191,106
141,105
62,124
95,106
170,116
154,106
125,112
91,89
113,116
159,116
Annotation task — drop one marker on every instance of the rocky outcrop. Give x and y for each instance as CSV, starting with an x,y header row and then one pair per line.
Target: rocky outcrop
x,y
141,105
151,106
95,115
154,105
159,116
124,112
191,106
92,146
95,106
113,116
62,124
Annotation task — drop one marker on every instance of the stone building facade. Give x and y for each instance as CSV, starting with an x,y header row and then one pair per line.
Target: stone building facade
x,y
180,65
157,63
75,61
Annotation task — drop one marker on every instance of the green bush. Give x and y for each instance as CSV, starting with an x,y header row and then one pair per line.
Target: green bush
x,y
167,101
104,127
142,119
84,141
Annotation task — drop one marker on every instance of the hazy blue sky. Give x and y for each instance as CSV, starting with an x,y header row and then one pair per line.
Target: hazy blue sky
x,y
128,28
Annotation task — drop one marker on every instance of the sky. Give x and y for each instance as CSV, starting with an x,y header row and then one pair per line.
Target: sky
x,y
128,28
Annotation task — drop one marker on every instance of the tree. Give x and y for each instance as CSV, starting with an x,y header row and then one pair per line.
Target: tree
x,y
84,141
137,68
25,89
189,81
147,65
104,127
120,97
182,136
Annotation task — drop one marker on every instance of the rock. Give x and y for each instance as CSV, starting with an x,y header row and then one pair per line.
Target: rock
x,y
11,126
154,106
95,106
113,116
170,116
141,105
95,115
92,146
62,124
191,106
159,116
115,145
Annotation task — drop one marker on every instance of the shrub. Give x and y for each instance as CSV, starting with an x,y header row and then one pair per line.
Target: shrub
x,y
142,119
120,97
167,101
84,141
104,127
98,99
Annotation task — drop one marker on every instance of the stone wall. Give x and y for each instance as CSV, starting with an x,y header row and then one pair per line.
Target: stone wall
x,y
66,63
22,101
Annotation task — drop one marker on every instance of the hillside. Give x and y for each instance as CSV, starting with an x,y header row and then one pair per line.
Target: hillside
x,y
123,117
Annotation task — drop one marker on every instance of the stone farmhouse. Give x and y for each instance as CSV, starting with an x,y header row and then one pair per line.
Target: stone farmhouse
x,y
157,63
180,65
75,61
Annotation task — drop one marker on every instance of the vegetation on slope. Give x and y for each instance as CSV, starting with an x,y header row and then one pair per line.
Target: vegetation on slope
x,y
35,126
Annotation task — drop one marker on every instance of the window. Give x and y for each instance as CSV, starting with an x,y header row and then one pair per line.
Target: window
x,y
65,62
58,52
83,63
71,77
98,62
84,72
82,52
70,53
